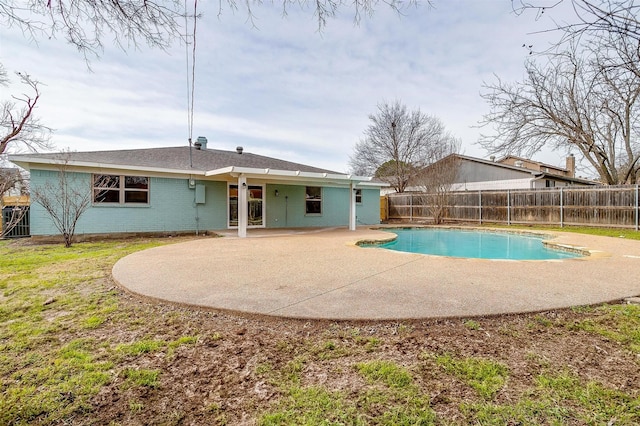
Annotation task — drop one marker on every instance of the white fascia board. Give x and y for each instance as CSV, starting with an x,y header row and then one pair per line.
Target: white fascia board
x,y
375,184
27,162
286,174
222,171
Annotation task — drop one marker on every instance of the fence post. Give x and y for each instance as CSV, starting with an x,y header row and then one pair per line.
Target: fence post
x,y
561,208
637,208
480,206
508,207
388,211
410,207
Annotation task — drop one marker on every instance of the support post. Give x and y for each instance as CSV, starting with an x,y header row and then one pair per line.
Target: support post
x,y
480,207
561,208
243,207
352,207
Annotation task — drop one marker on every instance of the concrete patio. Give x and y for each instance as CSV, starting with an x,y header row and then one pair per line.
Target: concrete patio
x,y
322,274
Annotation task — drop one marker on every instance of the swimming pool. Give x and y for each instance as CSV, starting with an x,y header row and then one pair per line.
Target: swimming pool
x,y
472,244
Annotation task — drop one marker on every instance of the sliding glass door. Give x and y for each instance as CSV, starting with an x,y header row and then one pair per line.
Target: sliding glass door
x,y
255,202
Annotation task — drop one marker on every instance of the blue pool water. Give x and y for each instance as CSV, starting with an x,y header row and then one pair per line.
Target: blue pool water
x,y
472,244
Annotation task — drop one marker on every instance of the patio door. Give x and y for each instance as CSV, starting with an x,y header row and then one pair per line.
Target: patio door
x,y
255,201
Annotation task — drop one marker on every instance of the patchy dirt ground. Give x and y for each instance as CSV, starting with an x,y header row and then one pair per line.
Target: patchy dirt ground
x,y
227,376
575,366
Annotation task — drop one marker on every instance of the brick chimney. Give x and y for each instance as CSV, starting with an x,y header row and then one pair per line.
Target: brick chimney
x,y
571,165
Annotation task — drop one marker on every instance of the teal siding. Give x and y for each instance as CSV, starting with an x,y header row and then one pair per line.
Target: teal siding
x,y
368,213
172,208
288,208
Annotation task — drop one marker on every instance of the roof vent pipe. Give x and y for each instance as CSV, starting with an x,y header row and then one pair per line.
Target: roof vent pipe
x,y
239,149
202,141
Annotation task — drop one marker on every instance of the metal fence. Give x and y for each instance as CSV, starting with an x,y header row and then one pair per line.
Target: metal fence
x,y
19,229
603,206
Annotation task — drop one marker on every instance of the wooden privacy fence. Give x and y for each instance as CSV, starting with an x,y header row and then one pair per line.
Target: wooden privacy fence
x,y
605,206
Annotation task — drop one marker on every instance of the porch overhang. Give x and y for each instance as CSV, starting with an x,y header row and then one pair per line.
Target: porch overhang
x,y
291,176
242,174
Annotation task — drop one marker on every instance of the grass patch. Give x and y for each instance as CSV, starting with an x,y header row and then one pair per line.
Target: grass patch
x,y
399,401
312,406
52,390
526,411
94,321
140,377
386,372
596,404
50,296
471,324
620,323
141,347
630,234
485,376
393,399
329,350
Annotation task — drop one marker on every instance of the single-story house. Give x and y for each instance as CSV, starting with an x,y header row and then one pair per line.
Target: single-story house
x,y
197,189
475,174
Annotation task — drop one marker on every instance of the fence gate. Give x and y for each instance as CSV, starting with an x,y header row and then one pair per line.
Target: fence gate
x,y
21,228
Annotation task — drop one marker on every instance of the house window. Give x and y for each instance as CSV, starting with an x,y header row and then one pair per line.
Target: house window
x,y
358,196
550,183
313,200
120,189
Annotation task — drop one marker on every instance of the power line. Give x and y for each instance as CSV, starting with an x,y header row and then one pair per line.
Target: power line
x,y
190,81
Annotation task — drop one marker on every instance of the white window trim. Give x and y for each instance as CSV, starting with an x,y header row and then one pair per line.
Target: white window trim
x,y
320,200
121,191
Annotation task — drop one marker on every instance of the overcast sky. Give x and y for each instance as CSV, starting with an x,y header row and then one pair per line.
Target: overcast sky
x,y
283,89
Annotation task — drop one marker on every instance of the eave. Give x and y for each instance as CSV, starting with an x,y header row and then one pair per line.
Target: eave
x,y
26,161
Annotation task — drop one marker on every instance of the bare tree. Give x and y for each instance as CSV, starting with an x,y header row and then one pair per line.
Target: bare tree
x,y
19,128
580,100
65,200
590,17
84,23
398,143
437,182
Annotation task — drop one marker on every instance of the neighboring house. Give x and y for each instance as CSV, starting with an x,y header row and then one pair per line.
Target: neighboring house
x,y
514,173
568,171
184,189
508,173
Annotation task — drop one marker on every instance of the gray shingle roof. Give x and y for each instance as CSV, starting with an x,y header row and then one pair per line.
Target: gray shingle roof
x,y
177,158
